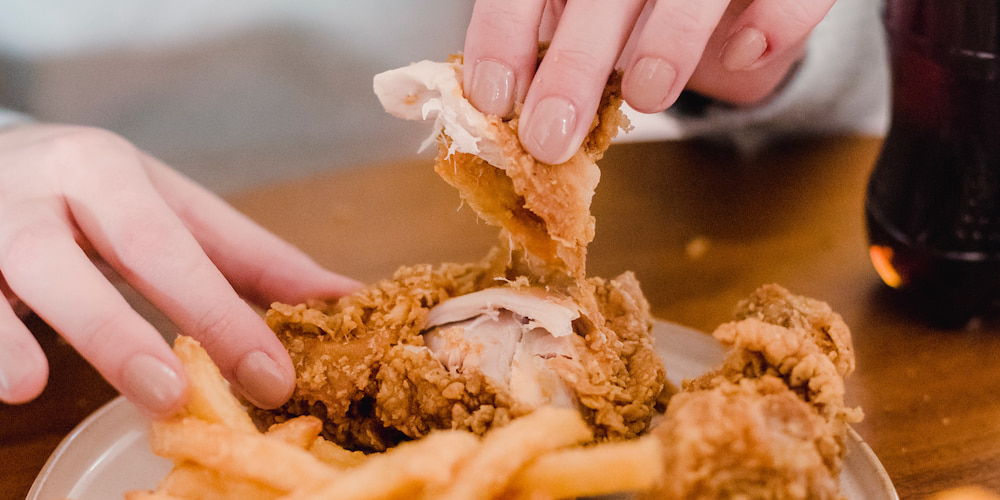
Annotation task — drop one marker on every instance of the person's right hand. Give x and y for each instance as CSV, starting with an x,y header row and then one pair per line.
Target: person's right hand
x,y
77,201
735,51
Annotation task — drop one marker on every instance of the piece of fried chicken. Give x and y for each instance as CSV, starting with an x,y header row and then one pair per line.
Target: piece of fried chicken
x,y
543,210
770,422
469,347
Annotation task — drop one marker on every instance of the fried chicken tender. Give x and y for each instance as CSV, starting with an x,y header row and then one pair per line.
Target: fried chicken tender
x,y
543,210
770,422
364,367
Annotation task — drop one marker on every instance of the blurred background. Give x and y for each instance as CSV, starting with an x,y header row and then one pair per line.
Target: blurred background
x,y
234,93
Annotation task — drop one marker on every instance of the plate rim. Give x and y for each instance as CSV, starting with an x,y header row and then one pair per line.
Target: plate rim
x,y
857,448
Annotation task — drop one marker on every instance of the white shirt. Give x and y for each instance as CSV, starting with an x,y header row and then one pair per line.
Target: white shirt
x,y
239,92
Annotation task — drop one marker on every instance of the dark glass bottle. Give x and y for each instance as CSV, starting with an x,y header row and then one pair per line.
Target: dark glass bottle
x,y
933,199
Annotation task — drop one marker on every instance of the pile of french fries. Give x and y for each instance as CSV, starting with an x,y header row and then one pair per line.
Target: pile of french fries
x,y
218,453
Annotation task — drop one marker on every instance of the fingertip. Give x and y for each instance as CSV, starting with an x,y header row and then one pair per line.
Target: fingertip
x,y
648,85
265,381
157,386
23,374
492,87
548,130
744,49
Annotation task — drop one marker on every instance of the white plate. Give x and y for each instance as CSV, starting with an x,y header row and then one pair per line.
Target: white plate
x,y
108,453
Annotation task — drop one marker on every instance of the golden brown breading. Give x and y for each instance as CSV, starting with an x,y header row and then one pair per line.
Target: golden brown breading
x,y
751,439
544,210
770,421
363,368
798,339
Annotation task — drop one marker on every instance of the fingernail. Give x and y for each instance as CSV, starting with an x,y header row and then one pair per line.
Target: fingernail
x,y
152,384
23,372
548,133
492,89
263,381
648,84
743,49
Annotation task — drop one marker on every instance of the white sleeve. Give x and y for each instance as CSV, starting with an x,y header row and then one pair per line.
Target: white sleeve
x,y
842,86
10,117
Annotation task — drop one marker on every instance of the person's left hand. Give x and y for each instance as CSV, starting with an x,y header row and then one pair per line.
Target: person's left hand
x,y
82,207
735,51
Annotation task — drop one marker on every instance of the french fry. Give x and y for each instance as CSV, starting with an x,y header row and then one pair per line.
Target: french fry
x,y
402,472
220,455
299,431
625,466
149,495
507,449
249,455
209,397
334,455
188,480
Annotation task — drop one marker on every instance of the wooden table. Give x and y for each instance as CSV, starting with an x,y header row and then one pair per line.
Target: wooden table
x,y
701,228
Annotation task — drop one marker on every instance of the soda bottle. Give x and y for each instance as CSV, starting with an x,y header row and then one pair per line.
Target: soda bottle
x,y
932,205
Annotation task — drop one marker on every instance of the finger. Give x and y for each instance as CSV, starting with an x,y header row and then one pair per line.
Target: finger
x,y
23,367
261,266
21,310
550,20
136,233
570,80
666,50
769,29
756,46
50,273
501,52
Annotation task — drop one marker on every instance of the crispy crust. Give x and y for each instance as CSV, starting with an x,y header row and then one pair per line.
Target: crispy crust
x,y
360,367
770,421
543,210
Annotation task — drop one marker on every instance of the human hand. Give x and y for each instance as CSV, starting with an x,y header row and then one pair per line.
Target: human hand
x,y
736,51
75,201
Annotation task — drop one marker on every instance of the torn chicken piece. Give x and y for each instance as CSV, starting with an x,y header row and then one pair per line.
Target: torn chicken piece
x,y
516,339
430,90
544,210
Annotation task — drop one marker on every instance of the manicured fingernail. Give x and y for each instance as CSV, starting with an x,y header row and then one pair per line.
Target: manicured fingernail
x,y
743,49
152,385
263,381
548,134
648,84
20,371
492,89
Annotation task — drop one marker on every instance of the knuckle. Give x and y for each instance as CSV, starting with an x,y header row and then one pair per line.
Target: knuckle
x,y
72,149
73,141
687,21
576,65
502,31
215,326
100,331
141,250
76,138
21,246
801,15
